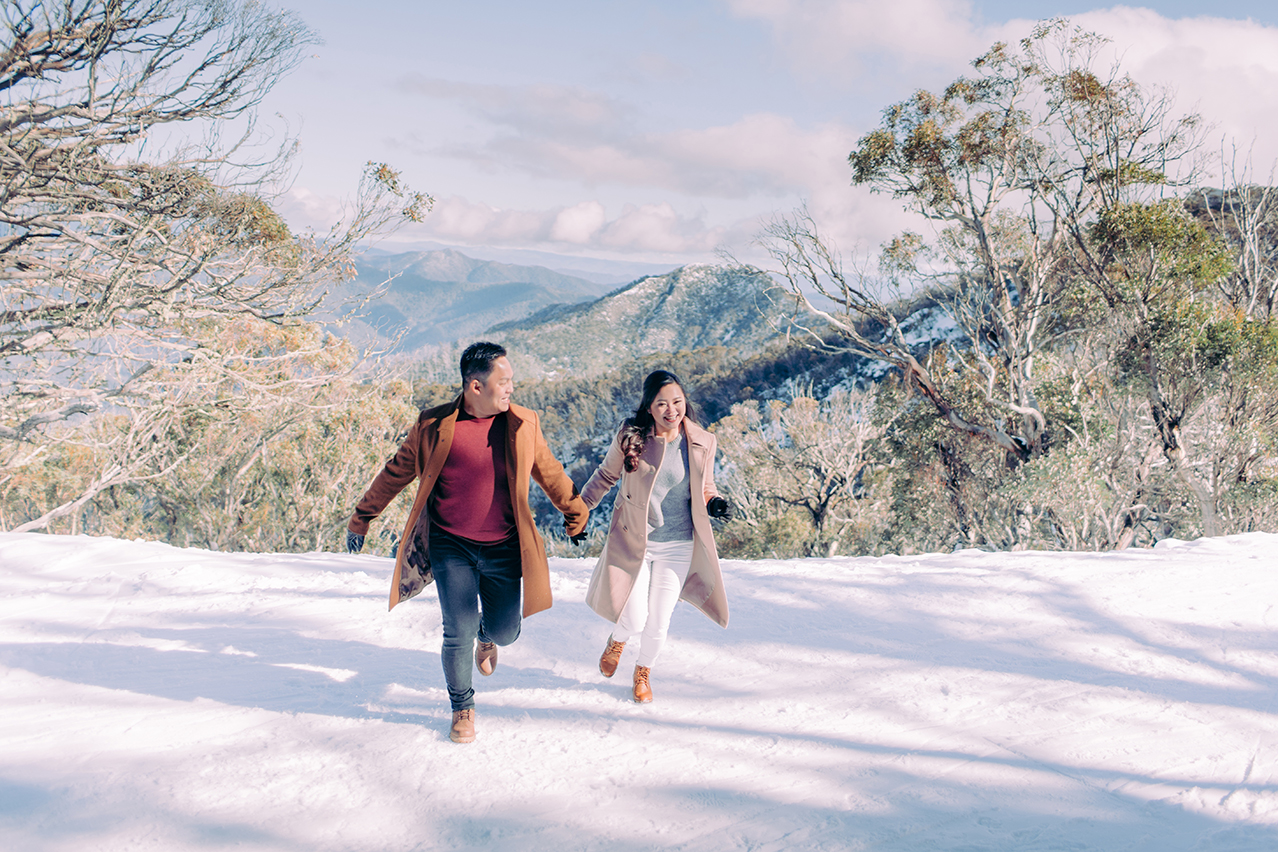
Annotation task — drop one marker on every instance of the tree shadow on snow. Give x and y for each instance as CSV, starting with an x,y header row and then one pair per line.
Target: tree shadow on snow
x,y
915,632
336,678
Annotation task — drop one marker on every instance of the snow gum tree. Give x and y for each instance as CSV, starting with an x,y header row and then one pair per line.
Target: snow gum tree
x,y
1014,163
121,258
1094,311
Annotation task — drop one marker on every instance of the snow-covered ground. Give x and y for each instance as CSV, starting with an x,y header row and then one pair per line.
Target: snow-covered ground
x,y
153,698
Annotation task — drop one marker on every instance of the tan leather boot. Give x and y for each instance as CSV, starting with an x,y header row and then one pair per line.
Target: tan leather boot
x,y
611,656
643,693
463,730
486,657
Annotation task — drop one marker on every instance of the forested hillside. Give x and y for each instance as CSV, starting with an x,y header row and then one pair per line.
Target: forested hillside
x,y
693,307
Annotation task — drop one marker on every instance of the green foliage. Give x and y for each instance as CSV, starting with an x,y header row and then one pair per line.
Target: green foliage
x,y
780,536
285,476
139,297
1157,249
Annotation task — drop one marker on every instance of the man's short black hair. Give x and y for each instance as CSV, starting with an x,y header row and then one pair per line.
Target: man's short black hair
x,y
477,360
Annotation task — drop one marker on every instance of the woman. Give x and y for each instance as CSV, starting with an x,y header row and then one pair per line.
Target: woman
x,y
660,547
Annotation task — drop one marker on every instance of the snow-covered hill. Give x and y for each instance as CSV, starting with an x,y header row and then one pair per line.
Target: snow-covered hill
x,y
154,698
436,297
693,307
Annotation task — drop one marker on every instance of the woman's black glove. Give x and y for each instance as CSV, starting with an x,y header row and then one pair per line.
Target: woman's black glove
x,y
354,542
717,507
578,538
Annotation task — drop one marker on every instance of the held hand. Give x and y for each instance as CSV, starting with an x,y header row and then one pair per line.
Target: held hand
x,y
579,537
354,542
717,507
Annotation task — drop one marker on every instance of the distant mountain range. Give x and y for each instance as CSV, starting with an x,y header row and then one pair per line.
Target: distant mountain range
x,y
555,325
435,297
689,308
607,271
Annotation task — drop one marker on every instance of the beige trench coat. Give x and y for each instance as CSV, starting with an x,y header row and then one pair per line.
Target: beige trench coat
x,y
623,552
422,457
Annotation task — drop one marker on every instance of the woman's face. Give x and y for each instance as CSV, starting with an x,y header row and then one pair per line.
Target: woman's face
x,y
668,408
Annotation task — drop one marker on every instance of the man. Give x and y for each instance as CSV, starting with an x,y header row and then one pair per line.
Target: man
x,y
470,529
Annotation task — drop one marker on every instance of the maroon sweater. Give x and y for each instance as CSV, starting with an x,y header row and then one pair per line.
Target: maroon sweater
x,y
472,497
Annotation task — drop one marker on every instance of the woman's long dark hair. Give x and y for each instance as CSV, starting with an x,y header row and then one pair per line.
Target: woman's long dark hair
x,y
636,429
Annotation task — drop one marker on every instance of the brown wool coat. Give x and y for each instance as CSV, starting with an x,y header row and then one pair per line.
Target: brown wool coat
x,y
422,457
614,575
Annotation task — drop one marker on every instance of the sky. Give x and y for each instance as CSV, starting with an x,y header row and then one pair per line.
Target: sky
x,y
666,131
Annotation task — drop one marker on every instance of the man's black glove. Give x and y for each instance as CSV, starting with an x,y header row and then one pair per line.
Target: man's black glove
x,y
354,542
578,538
717,507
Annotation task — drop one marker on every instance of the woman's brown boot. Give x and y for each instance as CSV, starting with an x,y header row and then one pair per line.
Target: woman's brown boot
x,y
611,656
643,693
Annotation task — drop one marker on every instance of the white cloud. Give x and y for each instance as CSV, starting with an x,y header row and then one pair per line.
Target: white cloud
x,y
579,223
592,150
761,154
459,219
642,229
1224,68
305,210
639,229
1227,70
657,227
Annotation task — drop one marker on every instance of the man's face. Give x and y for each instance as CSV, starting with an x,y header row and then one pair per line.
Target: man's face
x,y
492,395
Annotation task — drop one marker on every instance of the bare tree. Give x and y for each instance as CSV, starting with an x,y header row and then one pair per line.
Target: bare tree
x,y
807,455
868,318
1012,164
115,270
1244,214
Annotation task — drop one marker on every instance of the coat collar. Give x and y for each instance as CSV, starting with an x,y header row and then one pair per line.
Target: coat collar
x,y
515,415
697,437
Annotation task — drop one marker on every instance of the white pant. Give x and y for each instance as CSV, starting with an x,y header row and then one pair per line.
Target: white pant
x,y
662,574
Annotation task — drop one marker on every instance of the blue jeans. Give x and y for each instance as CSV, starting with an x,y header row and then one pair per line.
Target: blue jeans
x,y
479,595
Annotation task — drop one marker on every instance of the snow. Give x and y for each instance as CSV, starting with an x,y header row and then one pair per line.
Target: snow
x,y
155,698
